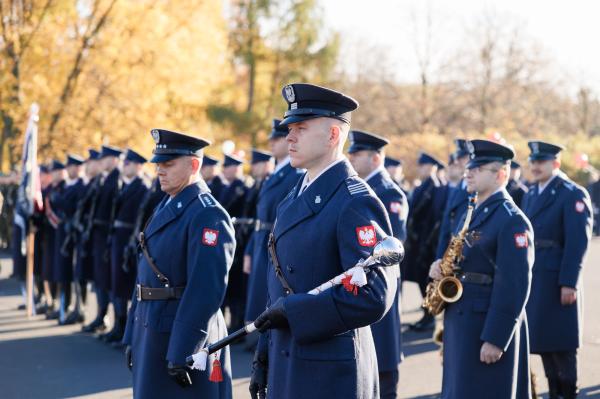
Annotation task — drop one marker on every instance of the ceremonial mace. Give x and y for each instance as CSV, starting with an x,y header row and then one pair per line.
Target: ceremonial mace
x,y
387,252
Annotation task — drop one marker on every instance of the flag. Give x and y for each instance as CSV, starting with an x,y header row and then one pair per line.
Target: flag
x,y
29,194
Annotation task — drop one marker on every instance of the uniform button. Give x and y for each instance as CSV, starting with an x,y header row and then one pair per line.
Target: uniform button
x,y
290,269
285,353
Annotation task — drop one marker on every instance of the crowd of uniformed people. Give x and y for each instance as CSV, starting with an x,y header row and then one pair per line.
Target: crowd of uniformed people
x,y
200,249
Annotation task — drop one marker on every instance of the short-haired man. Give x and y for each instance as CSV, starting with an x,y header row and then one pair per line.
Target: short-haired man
x,y
561,214
367,155
320,346
486,352
186,252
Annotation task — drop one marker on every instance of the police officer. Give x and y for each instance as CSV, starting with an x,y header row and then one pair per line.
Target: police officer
x,y
320,346
186,251
515,187
52,221
103,213
272,192
233,198
211,177
394,168
132,191
456,203
486,349
260,169
65,206
560,213
82,223
424,220
366,155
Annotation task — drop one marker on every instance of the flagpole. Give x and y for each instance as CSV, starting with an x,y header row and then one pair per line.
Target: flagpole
x,y
31,197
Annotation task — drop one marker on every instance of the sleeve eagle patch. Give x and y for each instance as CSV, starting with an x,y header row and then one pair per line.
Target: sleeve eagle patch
x,y
579,206
367,237
521,240
210,237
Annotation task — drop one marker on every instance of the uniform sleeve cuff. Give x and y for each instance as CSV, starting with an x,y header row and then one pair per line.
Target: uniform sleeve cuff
x,y
183,342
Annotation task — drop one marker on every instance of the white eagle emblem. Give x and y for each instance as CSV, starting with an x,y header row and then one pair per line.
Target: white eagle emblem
x,y
521,240
290,96
209,237
535,147
366,236
155,135
579,206
470,147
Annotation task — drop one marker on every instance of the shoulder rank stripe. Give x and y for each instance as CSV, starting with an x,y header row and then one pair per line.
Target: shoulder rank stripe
x,y
357,187
206,200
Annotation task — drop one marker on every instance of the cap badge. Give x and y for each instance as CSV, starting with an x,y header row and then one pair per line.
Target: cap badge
x,y
470,147
535,147
290,96
156,135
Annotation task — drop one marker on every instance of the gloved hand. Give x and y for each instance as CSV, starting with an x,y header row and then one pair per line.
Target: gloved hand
x,y
273,317
128,357
258,375
179,374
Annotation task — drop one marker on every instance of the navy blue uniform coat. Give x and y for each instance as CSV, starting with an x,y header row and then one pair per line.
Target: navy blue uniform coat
x,y
500,244
65,205
328,351
562,221
128,204
191,240
271,194
101,252
387,333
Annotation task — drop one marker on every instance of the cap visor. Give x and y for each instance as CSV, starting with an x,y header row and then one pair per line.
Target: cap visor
x,y
298,118
158,158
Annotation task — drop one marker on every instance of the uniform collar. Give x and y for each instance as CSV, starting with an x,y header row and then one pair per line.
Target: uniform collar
x,y
374,173
306,183
541,187
282,164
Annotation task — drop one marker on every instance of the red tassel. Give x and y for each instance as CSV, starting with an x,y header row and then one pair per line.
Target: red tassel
x,y
349,286
217,374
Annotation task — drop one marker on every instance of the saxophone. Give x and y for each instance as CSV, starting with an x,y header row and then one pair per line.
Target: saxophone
x,y
449,289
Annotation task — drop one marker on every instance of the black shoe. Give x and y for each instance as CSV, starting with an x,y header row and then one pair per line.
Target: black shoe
x,y
22,307
52,314
72,318
41,308
426,323
96,325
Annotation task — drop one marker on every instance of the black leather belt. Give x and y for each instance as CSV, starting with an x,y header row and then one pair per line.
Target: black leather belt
x,y
260,225
540,243
157,294
475,278
100,222
119,224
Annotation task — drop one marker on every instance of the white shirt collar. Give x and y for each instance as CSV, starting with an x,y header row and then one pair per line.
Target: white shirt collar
x,y
127,180
306,183
373,173
281,164
70,182
541,187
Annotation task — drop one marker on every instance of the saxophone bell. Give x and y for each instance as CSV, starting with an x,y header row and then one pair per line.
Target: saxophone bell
x,y
450,289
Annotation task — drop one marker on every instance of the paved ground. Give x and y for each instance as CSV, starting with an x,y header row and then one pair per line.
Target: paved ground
x,y
41,360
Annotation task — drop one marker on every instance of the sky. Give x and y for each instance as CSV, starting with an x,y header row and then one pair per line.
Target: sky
x,y
568,31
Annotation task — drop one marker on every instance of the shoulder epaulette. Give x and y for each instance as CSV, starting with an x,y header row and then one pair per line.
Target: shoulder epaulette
x,y
356,186
510,208
569,186
206,200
